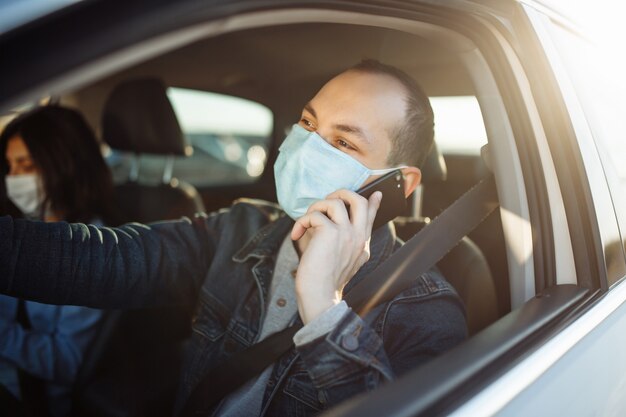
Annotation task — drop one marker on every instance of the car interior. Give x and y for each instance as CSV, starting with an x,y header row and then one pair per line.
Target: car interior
x,y
166,164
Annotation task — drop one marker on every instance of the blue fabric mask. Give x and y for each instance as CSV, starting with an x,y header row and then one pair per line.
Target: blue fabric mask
x,y
308,169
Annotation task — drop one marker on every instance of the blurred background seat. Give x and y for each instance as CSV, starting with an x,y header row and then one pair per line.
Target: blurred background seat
x,y
465,266
132,368
138,118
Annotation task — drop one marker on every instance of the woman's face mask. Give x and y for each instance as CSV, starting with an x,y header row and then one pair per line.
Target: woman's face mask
x,y
26,192
308,169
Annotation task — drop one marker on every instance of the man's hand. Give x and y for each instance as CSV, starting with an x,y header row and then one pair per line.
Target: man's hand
x,y
336,245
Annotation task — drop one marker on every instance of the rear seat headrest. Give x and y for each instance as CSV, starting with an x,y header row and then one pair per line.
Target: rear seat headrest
x,y
138,117
434,168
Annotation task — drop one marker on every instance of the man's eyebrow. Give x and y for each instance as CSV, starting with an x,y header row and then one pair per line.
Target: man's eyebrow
x,y
354,130
308,107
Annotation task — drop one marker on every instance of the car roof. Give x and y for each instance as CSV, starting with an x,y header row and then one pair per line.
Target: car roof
x,y
87,31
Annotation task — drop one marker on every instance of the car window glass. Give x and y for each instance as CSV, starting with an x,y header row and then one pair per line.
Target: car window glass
x,y
459,126
229,136
601,88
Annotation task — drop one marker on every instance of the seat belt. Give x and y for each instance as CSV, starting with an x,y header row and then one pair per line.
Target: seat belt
x,y
395,274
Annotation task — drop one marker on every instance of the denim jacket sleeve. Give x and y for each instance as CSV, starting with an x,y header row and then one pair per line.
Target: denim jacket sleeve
x,y
358,355
129,266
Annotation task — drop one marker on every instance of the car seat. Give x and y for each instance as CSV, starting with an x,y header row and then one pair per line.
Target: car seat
x,y
138,117
132,368
465,266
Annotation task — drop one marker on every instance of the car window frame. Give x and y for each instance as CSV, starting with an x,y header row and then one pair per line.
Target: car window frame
x,y
581,173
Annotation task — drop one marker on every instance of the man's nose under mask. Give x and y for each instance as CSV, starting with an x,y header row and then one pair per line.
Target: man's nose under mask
x,y
308,169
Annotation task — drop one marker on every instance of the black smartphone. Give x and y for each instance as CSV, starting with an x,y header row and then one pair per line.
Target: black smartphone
x,y
393,203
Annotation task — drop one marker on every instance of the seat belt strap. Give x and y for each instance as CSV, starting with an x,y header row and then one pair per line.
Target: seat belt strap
x,y
425,249
395,274
226,377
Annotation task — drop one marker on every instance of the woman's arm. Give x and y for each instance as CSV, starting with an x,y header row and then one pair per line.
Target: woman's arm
x,y
54,348
130,266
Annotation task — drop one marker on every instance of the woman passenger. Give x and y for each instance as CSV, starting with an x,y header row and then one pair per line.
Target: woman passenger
x,y
52,169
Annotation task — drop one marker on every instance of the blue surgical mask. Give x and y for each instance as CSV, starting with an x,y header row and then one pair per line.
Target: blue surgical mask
x,y
26,192
308,169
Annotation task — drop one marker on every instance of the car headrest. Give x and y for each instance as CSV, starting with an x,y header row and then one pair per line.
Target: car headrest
x,y
434,167
138,117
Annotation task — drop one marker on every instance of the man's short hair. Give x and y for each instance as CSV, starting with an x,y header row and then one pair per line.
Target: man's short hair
x,y
412,140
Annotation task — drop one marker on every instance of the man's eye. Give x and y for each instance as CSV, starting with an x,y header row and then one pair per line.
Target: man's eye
x,y
343,144
307,124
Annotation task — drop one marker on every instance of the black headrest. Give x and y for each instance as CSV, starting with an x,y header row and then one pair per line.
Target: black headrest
x,y
434,167
138,117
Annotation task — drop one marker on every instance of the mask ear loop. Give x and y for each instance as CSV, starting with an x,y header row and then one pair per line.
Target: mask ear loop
x,y
371,172
385,170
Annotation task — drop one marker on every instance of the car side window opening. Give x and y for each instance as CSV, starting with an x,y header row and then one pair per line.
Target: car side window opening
x,y
229,136
459,125
460,134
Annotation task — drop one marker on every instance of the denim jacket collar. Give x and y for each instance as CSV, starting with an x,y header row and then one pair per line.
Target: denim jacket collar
x,y
266,242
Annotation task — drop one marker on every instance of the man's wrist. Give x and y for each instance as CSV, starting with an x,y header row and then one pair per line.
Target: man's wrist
x,y
315,301
322,324
311,309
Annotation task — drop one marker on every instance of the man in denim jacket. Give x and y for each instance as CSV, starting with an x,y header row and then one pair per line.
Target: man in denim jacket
x,y
252,271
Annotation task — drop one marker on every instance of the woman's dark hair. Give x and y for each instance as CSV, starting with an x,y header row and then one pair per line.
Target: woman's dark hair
x,y
76,180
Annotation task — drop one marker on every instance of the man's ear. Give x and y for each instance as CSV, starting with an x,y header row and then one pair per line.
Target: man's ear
x,y
412,178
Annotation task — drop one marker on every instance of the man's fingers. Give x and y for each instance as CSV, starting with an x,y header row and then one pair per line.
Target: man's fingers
x,y
334,209
357,206
372,208
309,220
